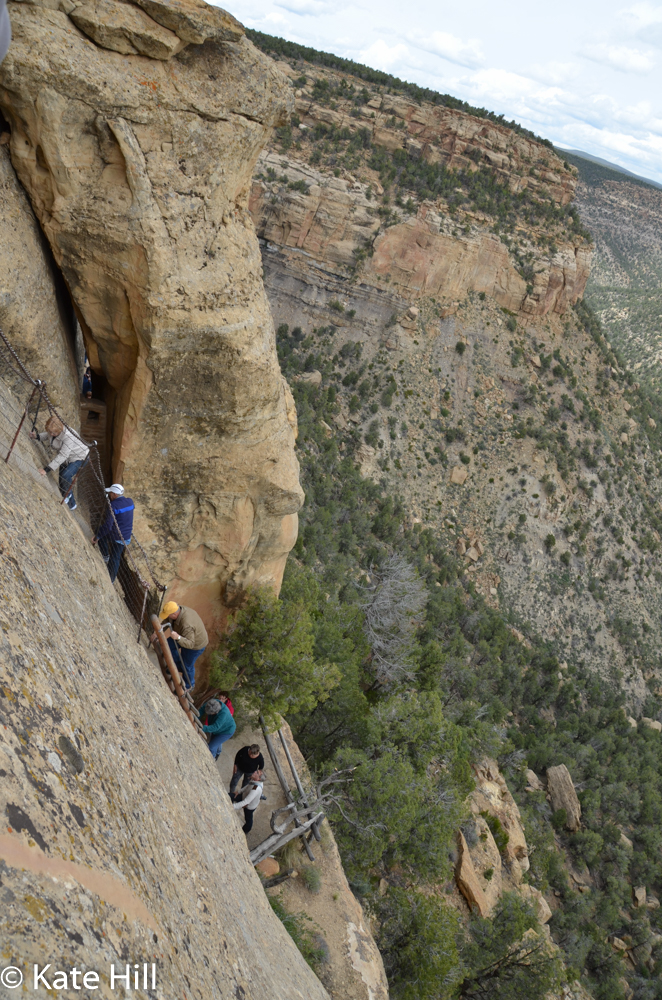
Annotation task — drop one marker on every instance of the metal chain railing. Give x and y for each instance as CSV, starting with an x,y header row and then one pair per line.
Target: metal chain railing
x,y
143,598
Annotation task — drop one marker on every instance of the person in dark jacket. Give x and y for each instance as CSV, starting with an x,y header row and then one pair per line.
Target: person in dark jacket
x,y
115,531
218,724
87,381
246,762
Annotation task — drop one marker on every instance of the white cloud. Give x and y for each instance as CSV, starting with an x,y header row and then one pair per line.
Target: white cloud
x,y
440,43
643,21
382,56
621,57
308,8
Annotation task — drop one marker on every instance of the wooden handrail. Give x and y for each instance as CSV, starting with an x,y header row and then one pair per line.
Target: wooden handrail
x,y
164,650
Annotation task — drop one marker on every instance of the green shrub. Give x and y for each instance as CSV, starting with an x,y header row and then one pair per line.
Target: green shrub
x,y
311,878
500,835
508,956
460,347
559,819
417,937
267,658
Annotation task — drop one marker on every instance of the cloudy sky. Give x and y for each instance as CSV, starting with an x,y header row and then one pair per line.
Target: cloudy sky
x,y
587,74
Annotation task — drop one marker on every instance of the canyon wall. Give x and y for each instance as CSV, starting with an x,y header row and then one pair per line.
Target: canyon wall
x,y
334,219
134,131
119,844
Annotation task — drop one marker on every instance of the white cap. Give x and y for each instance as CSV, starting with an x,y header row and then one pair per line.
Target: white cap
x,y
116,488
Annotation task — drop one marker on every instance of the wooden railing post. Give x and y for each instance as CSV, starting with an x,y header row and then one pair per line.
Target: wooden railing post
x,y
281,777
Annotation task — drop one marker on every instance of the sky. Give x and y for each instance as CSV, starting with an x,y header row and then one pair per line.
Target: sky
x,y
587,74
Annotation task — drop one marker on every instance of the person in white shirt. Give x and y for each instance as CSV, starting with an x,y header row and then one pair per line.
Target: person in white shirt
x,y
248,799
71,454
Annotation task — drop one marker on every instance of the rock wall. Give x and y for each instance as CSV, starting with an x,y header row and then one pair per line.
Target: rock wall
x,y
134,131
344,222
31,310
138,858
329,222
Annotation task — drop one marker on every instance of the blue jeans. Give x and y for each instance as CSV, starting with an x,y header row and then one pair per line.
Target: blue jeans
x,y
216,743
187,657
112,553
66,475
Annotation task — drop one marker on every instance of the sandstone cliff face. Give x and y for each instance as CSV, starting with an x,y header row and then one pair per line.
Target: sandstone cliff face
x,y
30,314
422,254
134,131
139,858
332,217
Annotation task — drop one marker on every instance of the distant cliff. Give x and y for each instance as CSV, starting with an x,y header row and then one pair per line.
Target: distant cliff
x,y
419,200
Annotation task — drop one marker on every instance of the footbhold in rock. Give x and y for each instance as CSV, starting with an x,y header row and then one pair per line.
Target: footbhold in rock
x,y
138,168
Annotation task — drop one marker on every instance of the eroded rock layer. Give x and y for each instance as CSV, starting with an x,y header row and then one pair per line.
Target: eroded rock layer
x,y
333,191
134,131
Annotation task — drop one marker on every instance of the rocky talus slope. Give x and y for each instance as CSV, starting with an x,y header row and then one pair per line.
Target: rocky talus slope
x,y
499,415
139,857
134,130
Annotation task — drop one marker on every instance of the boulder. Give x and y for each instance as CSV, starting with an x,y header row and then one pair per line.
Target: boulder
x,y
535,360
639,895
268,867
459,475
537,901
473,554
194,21
652,724
632,722
310,378
126,29
467,879
563,795
533,782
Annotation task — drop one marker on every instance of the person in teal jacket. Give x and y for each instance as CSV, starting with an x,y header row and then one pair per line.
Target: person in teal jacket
x,y
218,723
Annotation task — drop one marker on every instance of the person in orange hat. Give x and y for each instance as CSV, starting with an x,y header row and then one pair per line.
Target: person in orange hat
x,y
188,637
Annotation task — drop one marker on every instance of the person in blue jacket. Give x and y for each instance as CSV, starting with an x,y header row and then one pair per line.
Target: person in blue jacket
x,y
112,536
217,723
